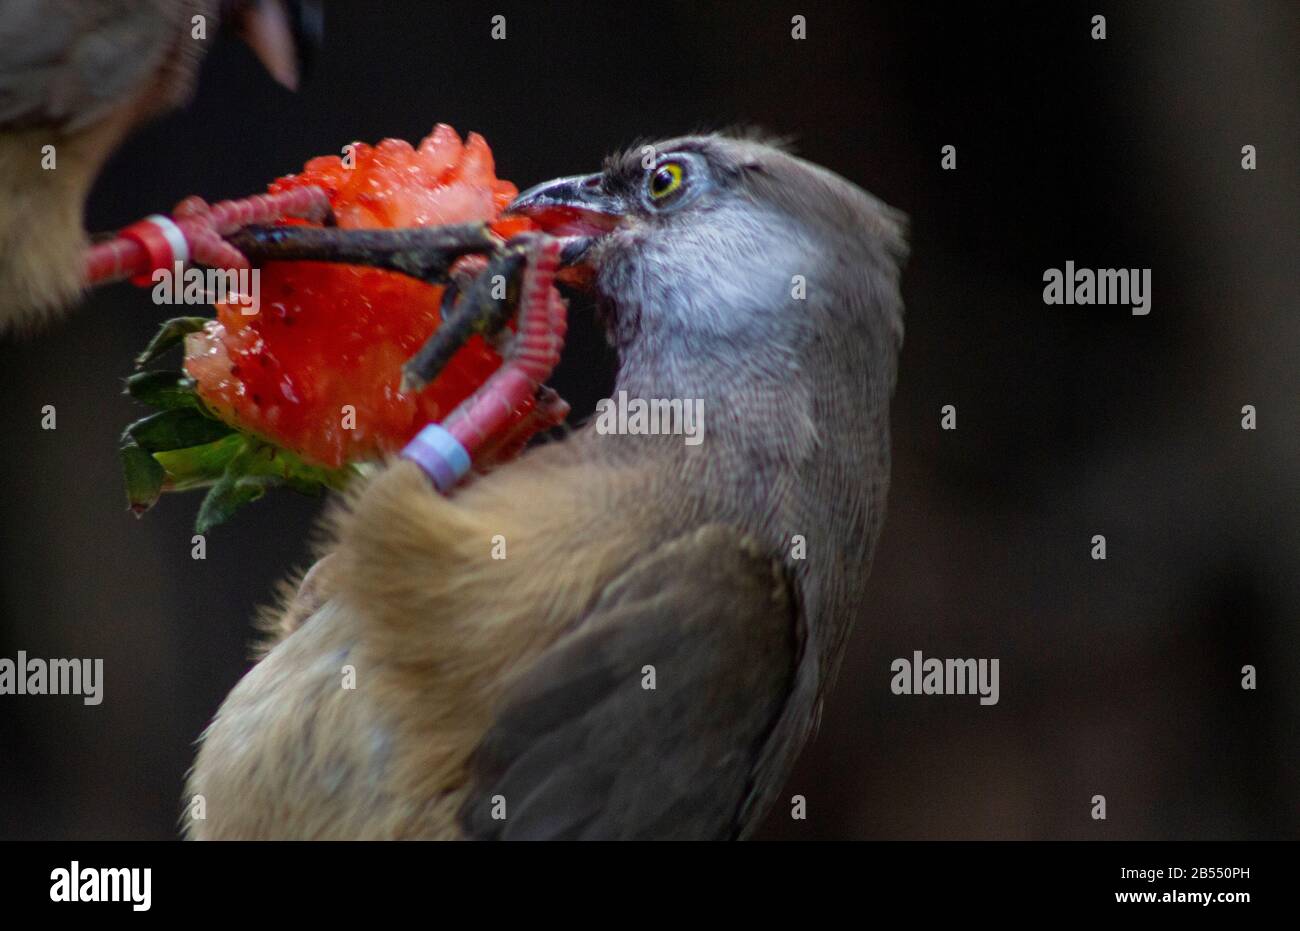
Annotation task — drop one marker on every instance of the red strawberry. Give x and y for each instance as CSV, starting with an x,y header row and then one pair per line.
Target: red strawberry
x,y
317,370
302,392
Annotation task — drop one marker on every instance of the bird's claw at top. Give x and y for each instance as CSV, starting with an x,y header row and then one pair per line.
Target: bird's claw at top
x,y
480,271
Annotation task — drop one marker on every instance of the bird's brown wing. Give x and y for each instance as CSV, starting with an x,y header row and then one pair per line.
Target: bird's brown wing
x,y
67,63
583,749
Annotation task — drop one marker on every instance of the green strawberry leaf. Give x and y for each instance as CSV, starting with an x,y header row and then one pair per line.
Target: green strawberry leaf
x,y
176,429
144,478
171,333
238,469
199,466
228,495
301,476
164,390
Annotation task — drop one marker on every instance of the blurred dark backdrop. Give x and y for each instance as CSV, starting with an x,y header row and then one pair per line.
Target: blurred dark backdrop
x,y
1118,678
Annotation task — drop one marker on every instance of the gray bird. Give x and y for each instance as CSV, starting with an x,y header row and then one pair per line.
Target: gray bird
x,y
76,76
651,653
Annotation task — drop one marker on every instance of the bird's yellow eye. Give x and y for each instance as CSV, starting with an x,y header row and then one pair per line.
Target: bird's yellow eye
x,y
666,179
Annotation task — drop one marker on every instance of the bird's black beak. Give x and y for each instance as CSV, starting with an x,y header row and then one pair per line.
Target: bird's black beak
x,y
577,206
285,35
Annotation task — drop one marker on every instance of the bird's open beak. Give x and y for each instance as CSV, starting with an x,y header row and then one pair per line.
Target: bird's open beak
x,y
575,206
576,209
284,34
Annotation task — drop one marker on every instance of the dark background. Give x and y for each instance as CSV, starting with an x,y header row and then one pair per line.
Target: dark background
x,y
1119,678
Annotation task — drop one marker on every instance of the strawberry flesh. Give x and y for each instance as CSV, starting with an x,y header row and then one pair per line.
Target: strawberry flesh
x,y
317,370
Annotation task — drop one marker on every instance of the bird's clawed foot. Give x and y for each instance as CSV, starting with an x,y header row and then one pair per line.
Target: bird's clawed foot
x,y
480,271
426,253
482,305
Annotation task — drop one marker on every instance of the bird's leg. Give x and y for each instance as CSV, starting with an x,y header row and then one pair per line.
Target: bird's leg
x,y
484,307
549,410
426,253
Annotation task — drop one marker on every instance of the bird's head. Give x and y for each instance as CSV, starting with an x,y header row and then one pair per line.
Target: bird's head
x,y
732,272
723,249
